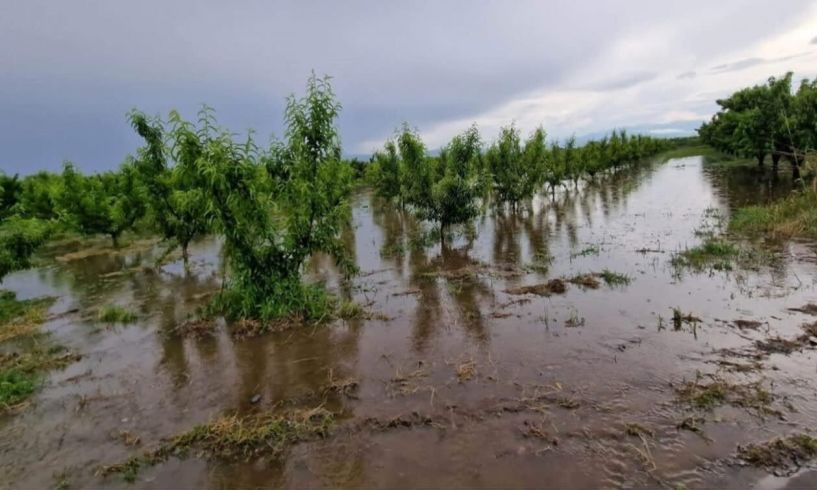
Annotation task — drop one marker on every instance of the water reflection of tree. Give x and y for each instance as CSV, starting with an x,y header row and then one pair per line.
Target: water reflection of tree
x,y
397,228
506,247
428,313
467,289
509,228
173,298
746,185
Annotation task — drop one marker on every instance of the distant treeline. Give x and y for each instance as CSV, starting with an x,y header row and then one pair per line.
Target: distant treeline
x,y
769,120
446,188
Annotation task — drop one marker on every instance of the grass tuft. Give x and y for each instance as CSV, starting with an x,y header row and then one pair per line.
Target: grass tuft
x,y
713,253
20,318
234,438
706,395
349,310
20,373
792,216
784,456
614,278
115,314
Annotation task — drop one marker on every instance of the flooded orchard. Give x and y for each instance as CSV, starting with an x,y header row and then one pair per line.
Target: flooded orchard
x,y
564,344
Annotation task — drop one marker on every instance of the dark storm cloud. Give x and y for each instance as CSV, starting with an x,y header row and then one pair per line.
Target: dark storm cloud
x,y
72,70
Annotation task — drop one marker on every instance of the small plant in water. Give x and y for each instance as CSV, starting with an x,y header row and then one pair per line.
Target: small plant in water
x,y
679,318
714,252
615,278
586,251
115,314
234,438
574,320
785,456
350,310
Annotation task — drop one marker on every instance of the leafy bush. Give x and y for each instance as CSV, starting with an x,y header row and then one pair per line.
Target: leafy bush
x,y
108,203
274,208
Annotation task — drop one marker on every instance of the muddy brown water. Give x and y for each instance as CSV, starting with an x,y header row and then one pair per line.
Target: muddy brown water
x,y
484,365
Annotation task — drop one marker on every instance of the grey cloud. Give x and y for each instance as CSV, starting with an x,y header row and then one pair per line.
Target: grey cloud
x,y
71,70
750,62
687,75
739,65
624,81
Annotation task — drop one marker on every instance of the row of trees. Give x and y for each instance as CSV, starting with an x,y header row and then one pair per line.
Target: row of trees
x,y
276,206
447,188
768,120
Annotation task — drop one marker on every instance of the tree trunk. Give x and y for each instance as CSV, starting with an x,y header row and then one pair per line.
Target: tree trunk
x,y
760,158
115,239
775,160
795,170
185,254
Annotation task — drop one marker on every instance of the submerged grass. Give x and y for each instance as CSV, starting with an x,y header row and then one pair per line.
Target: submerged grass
x,y
706,395
792,216
234,438
614,278
554,286
21,373
15,387
589,281
713,253
679,318
21,317
784,456
21,367
115,314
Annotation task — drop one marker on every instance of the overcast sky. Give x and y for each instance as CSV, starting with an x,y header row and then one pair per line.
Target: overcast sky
x,y
71,69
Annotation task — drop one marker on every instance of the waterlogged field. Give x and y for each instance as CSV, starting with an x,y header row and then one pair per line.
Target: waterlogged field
x,y
584,342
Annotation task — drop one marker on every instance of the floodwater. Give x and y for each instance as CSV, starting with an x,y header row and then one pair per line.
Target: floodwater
x,y
521,390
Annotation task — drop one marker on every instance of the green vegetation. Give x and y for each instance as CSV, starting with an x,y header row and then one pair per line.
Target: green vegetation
x,y
277,206
21,367
447,189
15,387
767,120
115,314
109,203
21,372
788,217
708,395
714,252
274,208
614,278
706,151
19,239
234,438
21,317
178,208
442,190
515,169
454,192
349,310
784,455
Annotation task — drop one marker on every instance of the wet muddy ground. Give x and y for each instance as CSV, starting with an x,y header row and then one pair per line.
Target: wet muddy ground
x,y
477,366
